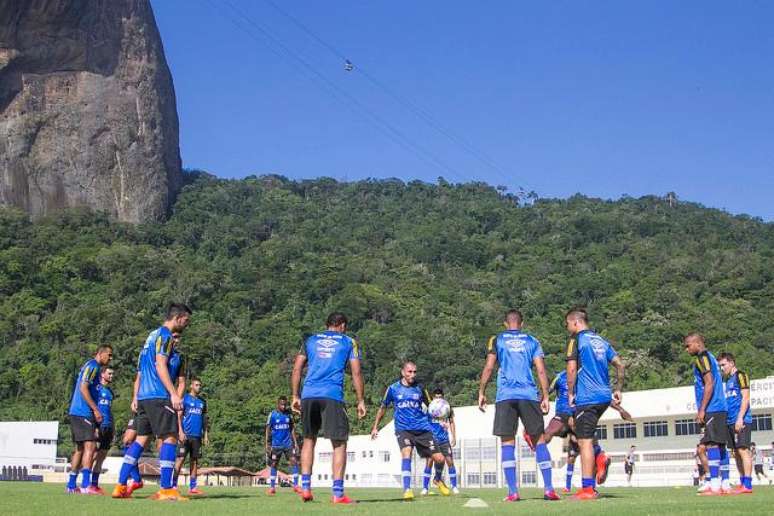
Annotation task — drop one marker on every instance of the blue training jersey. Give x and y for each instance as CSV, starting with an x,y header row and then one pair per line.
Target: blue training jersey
x,y
559,385
89,374
194,409
327,354
705,362
593,354
105,405
281,426
516,352
176,365
734,385
440,428
407,403
159,342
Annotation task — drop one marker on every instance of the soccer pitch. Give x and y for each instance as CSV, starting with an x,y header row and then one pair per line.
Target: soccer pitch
x,y
33,498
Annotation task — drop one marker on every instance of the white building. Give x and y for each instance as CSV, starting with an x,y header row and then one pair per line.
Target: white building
x,y
29,444
664,432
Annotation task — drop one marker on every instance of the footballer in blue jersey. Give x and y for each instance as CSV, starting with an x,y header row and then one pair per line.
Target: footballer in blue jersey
x,y
412,426
85,418
107,427
739,420
518,398
321,402
589,357
157,402
444,433
280,439
194,432
711,409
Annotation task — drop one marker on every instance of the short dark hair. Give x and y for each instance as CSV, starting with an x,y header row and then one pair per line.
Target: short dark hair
x,y
578,312
727,356
177,309
694,335
282,398
103,347
438,390
105,368
515,315
196,379
336,319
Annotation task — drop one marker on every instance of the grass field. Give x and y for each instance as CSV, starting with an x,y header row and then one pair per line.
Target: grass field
x,y
33,498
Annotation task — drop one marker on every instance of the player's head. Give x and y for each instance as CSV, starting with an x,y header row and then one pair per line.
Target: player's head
x,y
196,386
176,338
178,316
633,447
438,393
104,354
727,362
337,321
106,375
694,343
408,372
513,319
576,319
282,403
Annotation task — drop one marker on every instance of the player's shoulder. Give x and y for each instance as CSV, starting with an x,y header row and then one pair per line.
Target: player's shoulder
x,y
743,379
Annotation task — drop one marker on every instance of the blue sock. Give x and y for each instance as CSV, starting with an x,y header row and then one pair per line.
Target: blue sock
x,y
95,479
725,469
295,475
570,470
72,482
597,450
713,457
338,488
133,453
426,478
272,477
405,472
167,464
85,478
135,474
588,482
508,456
439,471
306,481
192,483
453,476
174,479
543,457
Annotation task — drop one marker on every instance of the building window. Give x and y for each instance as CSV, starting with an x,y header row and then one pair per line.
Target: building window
x,y
489,453
601,432
474,479
656,429
354,477
660,457
761,422
384,455
364,454
625,431
350,456
325,456
528,477
370,454
319,477
687,427
43,441
490,478
525,451
472,453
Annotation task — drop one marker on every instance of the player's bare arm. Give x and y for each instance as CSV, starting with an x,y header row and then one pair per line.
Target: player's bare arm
x,y
709,386
540,367
486,375
359,385
295,382
620,370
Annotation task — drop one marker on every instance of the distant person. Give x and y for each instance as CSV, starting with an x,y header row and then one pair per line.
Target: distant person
x,y
280,440
442,430
157,404
193,433
85,418
321,402
518,398
588,357
631,458
695,475
412,427
739,420
712,410
758,461
106,428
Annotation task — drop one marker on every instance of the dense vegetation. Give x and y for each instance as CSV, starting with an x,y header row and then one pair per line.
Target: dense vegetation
x,y
424,272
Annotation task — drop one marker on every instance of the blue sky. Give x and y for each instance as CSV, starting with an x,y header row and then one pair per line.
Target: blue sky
x,y
603,98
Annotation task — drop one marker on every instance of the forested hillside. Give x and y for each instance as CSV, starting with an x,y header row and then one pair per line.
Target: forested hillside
x,y
423,271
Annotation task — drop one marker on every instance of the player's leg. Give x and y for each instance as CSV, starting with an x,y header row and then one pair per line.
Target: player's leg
x,y
743,440
506,425
307,461
75,467
273,463
130,434
439,462
426,476
452,469
701,451
555,427
571,455
193,487
311,415
89,453
532,418
293,461
182,453
586,418
405,464
602,462
336,428
99,458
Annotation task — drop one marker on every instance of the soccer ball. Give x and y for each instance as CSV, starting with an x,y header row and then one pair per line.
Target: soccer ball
x,y
439,409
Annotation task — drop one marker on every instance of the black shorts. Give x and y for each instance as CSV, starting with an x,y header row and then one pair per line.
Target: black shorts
x,y
276,454
132,423
446,449
156,417
192,446
586,419
742,439
106,434
508,413
83,429
423,442
327,415
628,468
759,469
564,421
715,429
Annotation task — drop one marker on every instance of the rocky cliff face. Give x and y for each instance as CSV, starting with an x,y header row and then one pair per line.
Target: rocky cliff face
x,y
87,109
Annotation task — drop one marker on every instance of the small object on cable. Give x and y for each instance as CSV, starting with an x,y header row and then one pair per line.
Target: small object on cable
x,y
348,66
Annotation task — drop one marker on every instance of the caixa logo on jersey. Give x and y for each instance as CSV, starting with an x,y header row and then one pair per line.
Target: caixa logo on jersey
x,y
195,410
515,345
281,426
408,404
326,347
104,401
